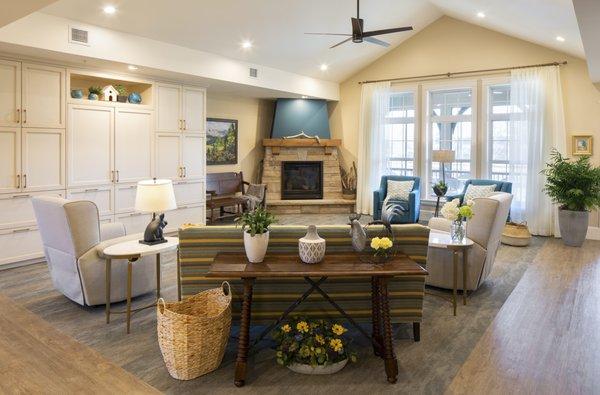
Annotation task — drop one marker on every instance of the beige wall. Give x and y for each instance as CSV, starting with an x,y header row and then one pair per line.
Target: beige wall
x,y
451,45
255,117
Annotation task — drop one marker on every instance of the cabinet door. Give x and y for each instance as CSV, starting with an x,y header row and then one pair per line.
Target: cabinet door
x,y
10,159
168,156
90,145
10,93
194,156
43,159
168,108
43,100
194,120
189,192
133,145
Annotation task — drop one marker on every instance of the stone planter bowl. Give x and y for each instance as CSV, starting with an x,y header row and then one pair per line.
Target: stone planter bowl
x,y
319,369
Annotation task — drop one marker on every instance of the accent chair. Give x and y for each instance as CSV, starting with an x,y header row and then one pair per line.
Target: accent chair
x,y
411,208
501,186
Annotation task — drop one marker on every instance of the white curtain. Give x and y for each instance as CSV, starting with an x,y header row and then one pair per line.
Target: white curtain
x,y
536,126
372,150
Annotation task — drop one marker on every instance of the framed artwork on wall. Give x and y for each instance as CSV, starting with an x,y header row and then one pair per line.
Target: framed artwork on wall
x,y
221,141
582,144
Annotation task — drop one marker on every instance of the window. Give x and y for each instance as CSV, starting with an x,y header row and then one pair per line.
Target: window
x,y
450,127
400,133
498,114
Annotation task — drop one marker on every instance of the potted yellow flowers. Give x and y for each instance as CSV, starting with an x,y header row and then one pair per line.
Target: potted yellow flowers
x,y
458,215
382,247
312,346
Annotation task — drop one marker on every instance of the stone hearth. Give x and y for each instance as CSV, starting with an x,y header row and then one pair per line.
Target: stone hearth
x,y
303,150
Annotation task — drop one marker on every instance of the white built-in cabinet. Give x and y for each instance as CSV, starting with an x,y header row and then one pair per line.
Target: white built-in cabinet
x,y
32,151
51,144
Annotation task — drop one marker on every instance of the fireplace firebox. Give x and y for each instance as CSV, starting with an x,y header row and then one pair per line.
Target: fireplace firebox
x,y
301,180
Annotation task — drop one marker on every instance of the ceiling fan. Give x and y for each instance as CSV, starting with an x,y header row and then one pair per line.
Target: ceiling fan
x,y
359,35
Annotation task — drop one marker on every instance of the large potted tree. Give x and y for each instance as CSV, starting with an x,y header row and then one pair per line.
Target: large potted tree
x,y
575,186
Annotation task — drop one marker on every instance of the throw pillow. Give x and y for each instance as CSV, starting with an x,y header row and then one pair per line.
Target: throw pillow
x,y
398,190
478,191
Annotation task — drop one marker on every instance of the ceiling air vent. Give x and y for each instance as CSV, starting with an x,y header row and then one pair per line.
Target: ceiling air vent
x,y
79,36
253,72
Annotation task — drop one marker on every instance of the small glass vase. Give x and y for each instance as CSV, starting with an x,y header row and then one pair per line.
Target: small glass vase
x,y
458,231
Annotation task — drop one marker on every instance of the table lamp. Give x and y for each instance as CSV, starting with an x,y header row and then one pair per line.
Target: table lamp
x,y
155,196
443,156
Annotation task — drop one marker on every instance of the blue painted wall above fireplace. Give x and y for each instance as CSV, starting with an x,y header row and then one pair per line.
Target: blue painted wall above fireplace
x,y
293,116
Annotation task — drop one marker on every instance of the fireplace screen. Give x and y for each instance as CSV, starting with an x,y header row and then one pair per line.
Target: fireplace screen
x,y
302,180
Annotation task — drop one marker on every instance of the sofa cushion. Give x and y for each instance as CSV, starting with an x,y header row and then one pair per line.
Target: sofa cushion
x,y
478,191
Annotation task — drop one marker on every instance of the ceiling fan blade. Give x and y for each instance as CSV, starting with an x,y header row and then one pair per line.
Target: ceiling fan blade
x,y
357,26
376,41
330,34
387,31
341,42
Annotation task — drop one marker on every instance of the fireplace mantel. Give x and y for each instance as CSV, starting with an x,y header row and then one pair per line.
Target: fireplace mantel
x,y
277,144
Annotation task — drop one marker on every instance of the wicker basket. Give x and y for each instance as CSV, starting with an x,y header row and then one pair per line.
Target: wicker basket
x,y
516,234
193,333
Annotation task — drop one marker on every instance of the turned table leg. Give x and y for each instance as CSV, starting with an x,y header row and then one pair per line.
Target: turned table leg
x,y
376,316
391,364
244,336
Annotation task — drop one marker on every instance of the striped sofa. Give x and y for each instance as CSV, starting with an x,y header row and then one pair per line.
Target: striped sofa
x,y
200,244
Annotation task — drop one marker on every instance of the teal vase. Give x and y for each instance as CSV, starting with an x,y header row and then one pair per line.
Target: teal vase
x,y
135,98
93,96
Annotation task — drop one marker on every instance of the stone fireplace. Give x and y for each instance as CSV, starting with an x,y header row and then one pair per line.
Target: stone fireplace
x,y
293,170
302,180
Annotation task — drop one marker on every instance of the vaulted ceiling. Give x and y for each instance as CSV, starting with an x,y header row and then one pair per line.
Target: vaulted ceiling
x,y
276,27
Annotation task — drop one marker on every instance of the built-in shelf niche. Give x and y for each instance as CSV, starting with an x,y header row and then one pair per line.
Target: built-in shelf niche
x,y
83,80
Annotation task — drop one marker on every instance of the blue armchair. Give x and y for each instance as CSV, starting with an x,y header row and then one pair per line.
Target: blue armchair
x,y
501,186
412,207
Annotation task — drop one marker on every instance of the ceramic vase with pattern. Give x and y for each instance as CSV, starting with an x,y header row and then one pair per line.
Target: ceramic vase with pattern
x,y
312,246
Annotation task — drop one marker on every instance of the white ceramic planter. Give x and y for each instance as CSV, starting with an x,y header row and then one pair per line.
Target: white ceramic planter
x,y
327,369
256,246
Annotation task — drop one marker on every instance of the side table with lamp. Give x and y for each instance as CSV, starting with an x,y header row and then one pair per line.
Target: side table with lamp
x,y
152,196
440,189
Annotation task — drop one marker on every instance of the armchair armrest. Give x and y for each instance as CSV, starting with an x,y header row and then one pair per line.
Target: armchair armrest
x,y
437,223
458,196
111,230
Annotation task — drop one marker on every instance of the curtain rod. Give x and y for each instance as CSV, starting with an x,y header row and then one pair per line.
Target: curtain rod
x,y
448,75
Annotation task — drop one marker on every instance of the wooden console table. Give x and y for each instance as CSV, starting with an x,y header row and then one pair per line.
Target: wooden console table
x,y
342,264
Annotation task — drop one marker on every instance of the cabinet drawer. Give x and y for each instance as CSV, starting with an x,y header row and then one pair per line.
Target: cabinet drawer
x,y
134,222
189,192
125,198
185,215
20,244
17,210
102,196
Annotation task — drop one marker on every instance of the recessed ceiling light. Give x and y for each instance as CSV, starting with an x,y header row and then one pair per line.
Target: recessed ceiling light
x,y
132,67
304,97
109,9
324,67
481,14
246,44
560,38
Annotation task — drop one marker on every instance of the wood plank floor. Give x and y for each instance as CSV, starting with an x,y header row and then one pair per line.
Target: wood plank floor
x,y
36,358
546,337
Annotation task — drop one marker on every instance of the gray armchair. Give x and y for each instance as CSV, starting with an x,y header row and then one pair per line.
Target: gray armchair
x,y
73,241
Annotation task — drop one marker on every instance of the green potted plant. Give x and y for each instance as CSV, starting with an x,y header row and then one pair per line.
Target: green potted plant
x,y
312,346
95,92
255,225
575,186
122,93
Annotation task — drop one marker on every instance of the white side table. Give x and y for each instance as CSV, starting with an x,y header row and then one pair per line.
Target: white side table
x,y
443,240
133,250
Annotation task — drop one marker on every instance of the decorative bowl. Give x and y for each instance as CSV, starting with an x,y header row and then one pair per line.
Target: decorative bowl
x,y
135,98
77,93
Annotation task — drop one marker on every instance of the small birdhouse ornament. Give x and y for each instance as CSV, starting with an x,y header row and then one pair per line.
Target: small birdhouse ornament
x,y
109,93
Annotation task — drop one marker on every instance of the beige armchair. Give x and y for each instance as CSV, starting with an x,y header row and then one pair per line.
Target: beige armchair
x,y
73,241
485,229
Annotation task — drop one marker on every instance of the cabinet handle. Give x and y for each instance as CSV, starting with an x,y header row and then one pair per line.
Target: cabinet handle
x,y
18,115
182,207
134,214
25,115
24,180
117,175
21,230
180,125
184,124
18,181
19,196
91,190
184,171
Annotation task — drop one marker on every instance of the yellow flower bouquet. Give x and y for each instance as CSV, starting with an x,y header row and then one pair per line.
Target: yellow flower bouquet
x,y
312,342
382,247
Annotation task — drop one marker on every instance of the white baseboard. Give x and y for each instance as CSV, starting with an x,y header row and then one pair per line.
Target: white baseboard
x,y
593,233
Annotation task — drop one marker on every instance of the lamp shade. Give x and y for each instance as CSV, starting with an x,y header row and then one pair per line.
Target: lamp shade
x,y
443,156
155,196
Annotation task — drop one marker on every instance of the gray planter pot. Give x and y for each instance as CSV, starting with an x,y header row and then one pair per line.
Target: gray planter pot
x,y
573,226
